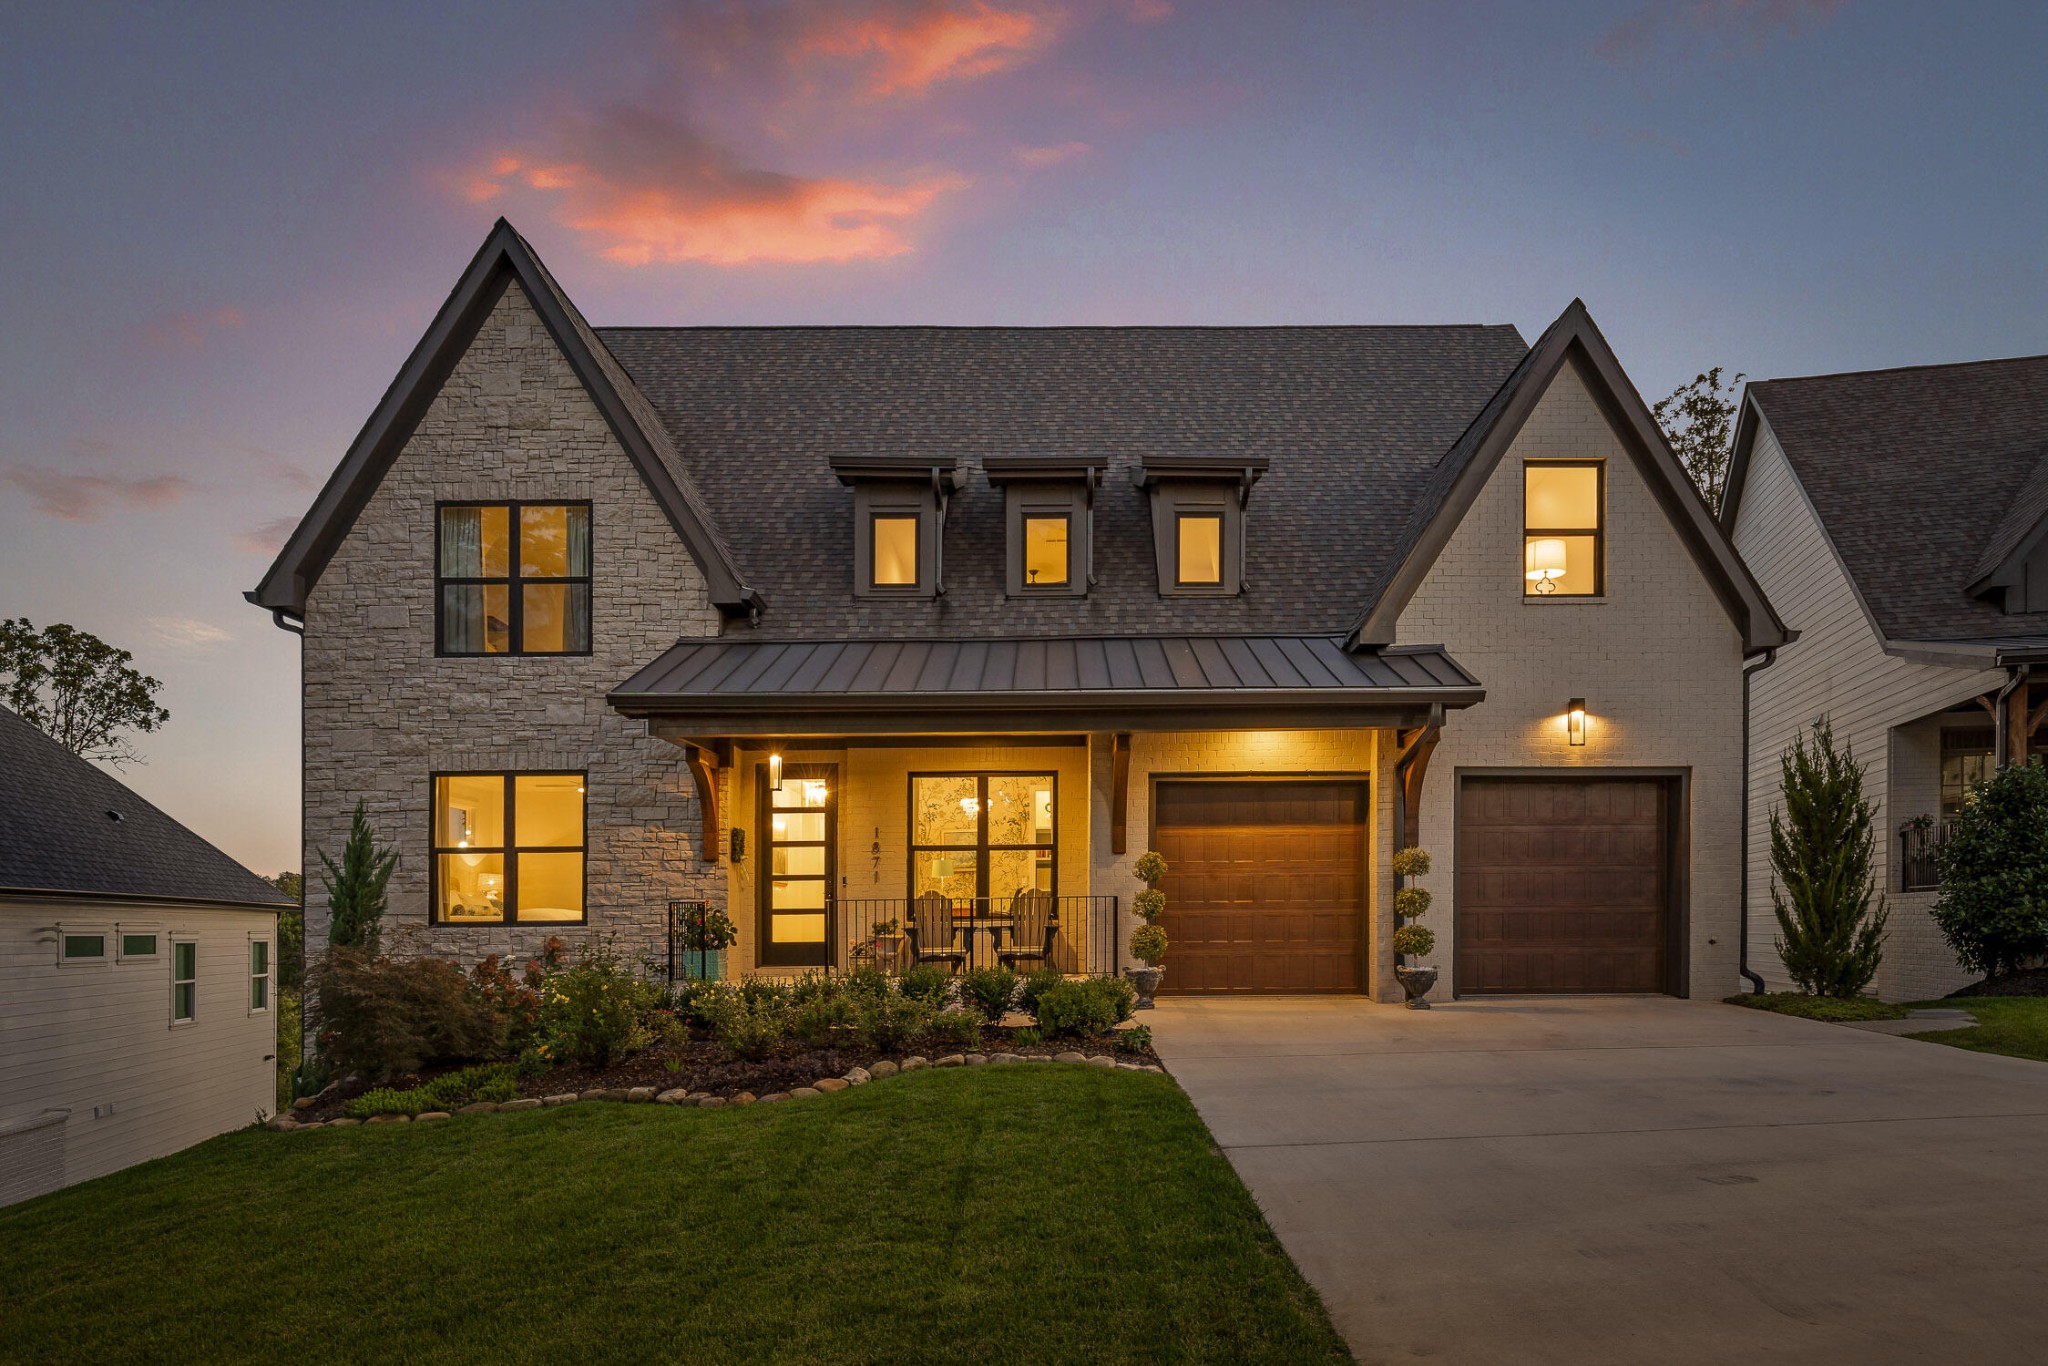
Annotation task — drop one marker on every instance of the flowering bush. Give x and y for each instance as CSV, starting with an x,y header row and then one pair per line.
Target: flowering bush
x,y
595,1010
705,928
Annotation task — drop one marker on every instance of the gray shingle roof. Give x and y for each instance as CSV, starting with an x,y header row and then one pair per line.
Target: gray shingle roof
x,y
1353,418
1915,473
56,834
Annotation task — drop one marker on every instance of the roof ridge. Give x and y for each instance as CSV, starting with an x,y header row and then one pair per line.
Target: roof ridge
x,y
1051,327
1899,369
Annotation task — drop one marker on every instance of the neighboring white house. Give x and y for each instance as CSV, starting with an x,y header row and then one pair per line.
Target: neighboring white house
x,y
137,975
1898,521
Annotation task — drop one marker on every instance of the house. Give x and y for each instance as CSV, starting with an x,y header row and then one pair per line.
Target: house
x,y
1899,520
137,969
906,642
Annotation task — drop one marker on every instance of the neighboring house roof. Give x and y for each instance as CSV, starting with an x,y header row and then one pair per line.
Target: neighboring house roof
x,y
800,684
68,828
1470,462
1930,482
1352,418
504,261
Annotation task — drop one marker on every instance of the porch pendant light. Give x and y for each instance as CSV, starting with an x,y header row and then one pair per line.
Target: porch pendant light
x,y
1575,721
775,772
1544,561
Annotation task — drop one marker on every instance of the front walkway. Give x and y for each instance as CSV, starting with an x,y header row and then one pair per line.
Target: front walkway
x,y
1632,1180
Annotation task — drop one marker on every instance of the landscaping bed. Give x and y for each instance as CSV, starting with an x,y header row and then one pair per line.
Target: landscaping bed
x,y
1832,1009
2023,982
1019,1214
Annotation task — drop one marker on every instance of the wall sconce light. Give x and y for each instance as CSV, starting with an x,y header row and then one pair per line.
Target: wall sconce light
x,y
1544,563
775,772
1575,721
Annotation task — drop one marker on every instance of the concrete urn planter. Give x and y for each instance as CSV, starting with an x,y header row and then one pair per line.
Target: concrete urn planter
x,y
1146,980
1416,982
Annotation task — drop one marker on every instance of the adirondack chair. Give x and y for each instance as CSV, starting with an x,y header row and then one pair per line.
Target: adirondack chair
x,y
1033,928
931,932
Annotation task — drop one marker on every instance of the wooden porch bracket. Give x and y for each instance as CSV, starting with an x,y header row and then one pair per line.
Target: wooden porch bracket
x,y
705,759
1119,790
1411,766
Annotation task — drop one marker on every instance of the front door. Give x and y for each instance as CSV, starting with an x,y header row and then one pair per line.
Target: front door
x,y
797,864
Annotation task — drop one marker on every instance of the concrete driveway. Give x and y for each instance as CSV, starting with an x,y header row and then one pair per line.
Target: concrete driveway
x,y
1629,1180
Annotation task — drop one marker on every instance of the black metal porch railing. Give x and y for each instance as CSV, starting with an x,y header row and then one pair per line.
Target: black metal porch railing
x,y
1920,855
1079,935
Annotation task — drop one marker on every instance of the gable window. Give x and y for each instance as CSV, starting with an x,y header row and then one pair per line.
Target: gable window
x,y
508,847
1198,549
514,578
1563,536
893,555
259,975
184,981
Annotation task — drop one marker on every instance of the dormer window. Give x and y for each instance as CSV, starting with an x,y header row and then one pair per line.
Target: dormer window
x,y
1198,522
899,523
1048,514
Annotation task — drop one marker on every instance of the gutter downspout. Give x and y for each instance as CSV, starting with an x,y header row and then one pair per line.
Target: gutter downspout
x,y
1748,974
2017,680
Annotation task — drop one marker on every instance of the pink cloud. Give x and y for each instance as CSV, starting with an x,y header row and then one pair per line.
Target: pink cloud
x,y
189,330
907,49
268,538
1036,157
646,189
88,497
1745,26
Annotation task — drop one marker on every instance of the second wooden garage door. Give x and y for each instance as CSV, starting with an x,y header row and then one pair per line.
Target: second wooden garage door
x,y
1265,889
1564,885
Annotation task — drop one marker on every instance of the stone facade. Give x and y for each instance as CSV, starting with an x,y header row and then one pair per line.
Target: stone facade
x,y
383,712
1658,660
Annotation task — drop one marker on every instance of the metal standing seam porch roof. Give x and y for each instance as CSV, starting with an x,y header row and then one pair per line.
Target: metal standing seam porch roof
x,y
1091,683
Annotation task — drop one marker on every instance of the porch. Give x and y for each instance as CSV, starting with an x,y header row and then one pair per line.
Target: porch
x,y
1938,760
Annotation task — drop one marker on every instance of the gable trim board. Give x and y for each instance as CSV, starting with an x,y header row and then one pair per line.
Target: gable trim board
x,y
1573,339
504,260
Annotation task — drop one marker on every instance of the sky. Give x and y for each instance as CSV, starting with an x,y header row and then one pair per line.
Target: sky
x,y
224,226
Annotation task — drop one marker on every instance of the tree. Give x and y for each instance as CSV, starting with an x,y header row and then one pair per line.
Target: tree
x,y
355,889
291,933
1697,419
77,689
1821,846
1993,908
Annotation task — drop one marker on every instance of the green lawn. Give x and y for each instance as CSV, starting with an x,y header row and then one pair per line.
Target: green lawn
x,y
990,1215
2014,1025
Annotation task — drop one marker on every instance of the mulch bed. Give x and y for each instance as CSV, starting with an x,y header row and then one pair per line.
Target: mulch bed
x,y
2025,982
703,1064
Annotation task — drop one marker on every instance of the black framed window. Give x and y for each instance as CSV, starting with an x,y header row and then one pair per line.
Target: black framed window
x,y
508,848
1048,545
513,578
893,549
987,835
1563,528
1198,548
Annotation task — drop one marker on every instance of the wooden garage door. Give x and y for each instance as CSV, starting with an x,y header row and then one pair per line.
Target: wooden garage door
x,y
1564,885
1265,888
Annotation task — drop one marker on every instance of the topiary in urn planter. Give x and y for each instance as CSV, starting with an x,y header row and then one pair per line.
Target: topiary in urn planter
x,y
1411,940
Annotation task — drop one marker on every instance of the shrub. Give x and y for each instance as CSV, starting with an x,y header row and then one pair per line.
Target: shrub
x,y
595,1010
1137,1039
515,1001
955,1028
1151,867
1821,847
1077,1008
893,1023
1036,983
1025,1038
1414,940
495,1082
990,991
751,1029
868,983
290,1047
927,982
819,1019
699,1004
1411,862
1411,902
1148,944
1150,904
1993,908
758,990
813,986
355,886
1120,993
380,1018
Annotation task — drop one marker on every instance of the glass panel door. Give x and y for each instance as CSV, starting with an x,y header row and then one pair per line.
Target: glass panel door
x,y
797,864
